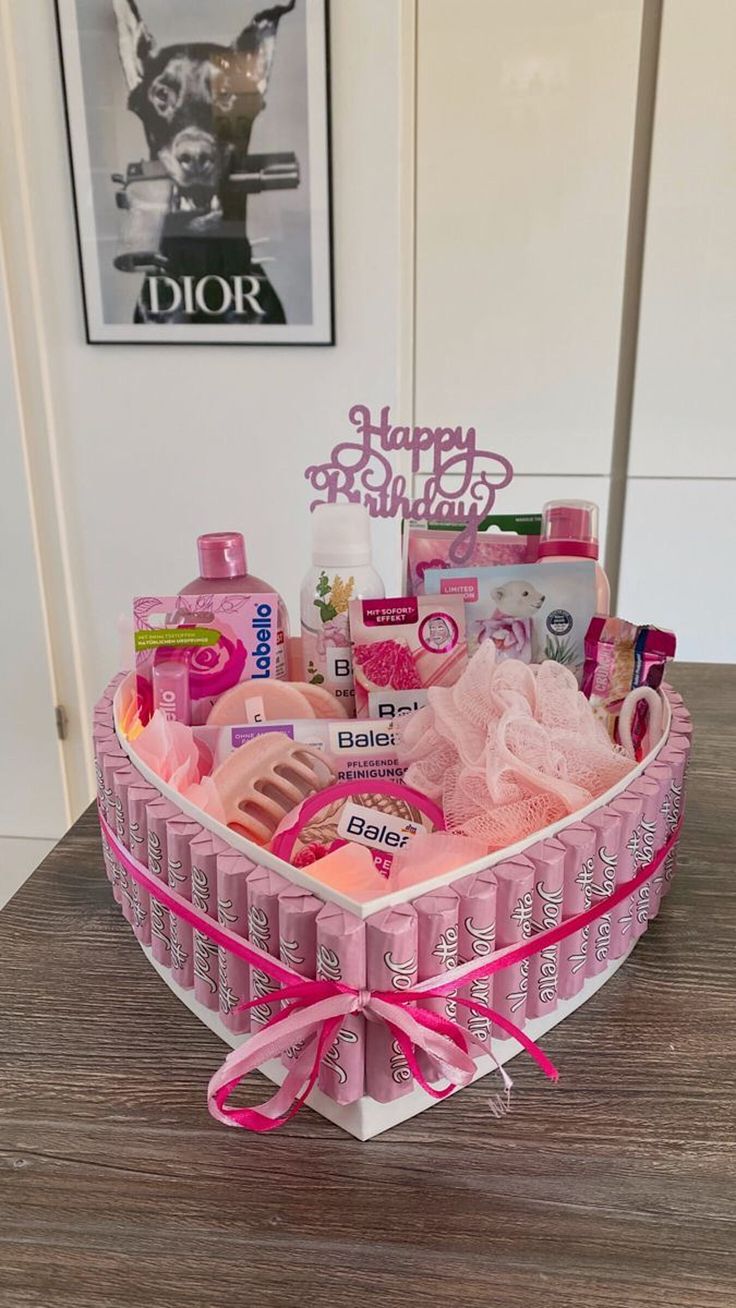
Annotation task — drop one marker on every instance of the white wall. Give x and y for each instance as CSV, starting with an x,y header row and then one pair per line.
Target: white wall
x,y
479,272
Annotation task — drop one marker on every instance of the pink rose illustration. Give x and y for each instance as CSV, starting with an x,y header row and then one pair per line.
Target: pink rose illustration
x,y
215,668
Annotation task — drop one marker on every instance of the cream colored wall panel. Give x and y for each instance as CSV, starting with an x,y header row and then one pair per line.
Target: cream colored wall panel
x,y
685,399
677,565
525,126
161,443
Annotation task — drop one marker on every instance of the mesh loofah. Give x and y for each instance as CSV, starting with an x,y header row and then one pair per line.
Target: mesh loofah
x,y
510,748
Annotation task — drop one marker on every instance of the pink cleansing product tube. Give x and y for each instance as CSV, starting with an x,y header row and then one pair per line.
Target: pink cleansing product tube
x,y
437,914
341,957
179,834
298,941
607,826
264,888
122,780
548,860
662,774
629,809
139,797
676,753
158,813
644,851
515,880
233,973
579,841
476,940
391,951
203,850
170,684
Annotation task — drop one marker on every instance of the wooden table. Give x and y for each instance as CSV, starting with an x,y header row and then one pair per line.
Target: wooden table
x,y
613,1189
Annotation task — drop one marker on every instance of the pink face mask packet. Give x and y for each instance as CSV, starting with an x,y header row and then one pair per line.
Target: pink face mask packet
x,y
402,647
427,547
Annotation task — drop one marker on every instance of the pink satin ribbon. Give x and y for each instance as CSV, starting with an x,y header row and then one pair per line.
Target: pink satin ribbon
x,y
313,1010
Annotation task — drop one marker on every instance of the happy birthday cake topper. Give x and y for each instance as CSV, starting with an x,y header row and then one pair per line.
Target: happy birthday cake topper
x,y
460,486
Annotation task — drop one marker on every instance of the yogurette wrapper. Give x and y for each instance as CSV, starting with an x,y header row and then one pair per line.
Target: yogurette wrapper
x,y
264,888
112,760
644,845
437,917
203,850
122,780
298,939
341,956
139,797
624,925
606,825
515,879
579,841
476,938
233,974
662,774
179,834
548,861
391,949
676,753
403,646
158,813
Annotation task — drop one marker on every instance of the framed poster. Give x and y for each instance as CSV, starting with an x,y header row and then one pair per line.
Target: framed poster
x,y
199,145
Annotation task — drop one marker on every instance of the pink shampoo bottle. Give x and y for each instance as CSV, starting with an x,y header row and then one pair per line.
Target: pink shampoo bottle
x,y
223,569
570,532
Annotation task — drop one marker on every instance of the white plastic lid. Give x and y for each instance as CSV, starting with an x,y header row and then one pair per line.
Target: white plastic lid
x,y
341,535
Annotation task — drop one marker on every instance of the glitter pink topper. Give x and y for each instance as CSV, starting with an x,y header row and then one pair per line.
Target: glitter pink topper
x,y
461,482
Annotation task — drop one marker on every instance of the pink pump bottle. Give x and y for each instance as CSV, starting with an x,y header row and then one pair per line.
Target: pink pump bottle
x,y
223,568
569,533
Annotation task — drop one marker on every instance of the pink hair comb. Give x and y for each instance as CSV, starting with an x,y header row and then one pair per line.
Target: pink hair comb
x,y
266,778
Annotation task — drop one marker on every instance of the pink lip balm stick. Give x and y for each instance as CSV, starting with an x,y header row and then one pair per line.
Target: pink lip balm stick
x,y
341,957
171,690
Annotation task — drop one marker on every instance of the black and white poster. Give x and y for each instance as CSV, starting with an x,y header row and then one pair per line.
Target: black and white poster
x,y
199,141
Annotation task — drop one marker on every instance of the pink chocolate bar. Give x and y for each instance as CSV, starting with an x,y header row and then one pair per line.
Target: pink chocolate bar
x,y
649,792
676,753
139,797
298,940
204,849
179,834
548,860
476,940
662,774
514,900
607,826
341,957
122,780
158,813
112,760
623,918
391,951
233,973
264,888
579,842
437,915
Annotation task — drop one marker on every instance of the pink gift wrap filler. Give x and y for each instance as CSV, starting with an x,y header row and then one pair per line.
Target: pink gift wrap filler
x,y
233,974
515,881
607,826
179,834
264,888
139,797
579,841
548,860
476,938
298,940
391,953
437,914
203,850
341,956
158,813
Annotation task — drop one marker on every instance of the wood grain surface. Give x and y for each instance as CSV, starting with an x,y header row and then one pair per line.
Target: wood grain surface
x,y
613,1189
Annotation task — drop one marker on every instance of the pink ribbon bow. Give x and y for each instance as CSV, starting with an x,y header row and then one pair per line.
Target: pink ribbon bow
x,y
312,1011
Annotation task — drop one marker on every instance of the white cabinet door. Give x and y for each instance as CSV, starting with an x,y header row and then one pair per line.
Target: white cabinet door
x,y
31,788
685,400
525,117
678,560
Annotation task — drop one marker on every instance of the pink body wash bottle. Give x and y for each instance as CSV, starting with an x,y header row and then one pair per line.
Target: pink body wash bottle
x,y
570,533
223,568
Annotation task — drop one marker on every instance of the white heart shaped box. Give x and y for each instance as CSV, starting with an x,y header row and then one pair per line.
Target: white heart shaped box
x,y
367,1117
